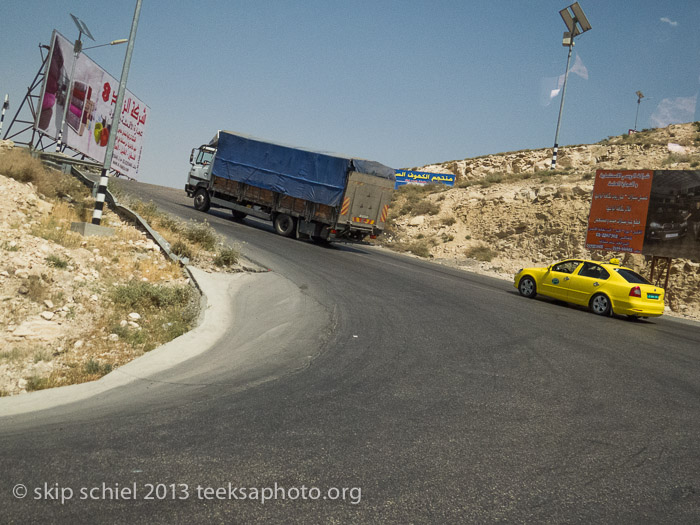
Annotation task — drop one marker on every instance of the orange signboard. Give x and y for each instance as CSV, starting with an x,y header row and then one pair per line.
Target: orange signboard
x,y
619,210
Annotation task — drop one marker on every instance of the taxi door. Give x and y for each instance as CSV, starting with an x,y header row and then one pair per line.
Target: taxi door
x,y
587,281
555,283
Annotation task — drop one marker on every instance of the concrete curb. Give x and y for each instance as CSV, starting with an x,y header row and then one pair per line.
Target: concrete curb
x,y
217,288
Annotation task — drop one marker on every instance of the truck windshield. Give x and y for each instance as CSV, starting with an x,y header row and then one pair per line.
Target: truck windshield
x,y
204,156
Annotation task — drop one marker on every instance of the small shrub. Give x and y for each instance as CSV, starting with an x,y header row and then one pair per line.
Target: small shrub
x,y
449,220
226,257
202,234
38,383
480,253
56,262
10,247
42,355
37,289
182,249
423,207
447,237
144,295
675,158
492,178
419,248
92,368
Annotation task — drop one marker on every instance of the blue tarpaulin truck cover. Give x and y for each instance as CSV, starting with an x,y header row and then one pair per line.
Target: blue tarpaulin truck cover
x,y
304,174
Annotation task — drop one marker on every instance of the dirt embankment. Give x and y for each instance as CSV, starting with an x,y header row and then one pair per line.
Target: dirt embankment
x,y
509,211
73,307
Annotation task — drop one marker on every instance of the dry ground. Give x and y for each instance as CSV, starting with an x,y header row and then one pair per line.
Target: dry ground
x,y
73,307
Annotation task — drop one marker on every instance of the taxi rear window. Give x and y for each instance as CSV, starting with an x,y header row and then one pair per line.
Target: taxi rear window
x,y
632,277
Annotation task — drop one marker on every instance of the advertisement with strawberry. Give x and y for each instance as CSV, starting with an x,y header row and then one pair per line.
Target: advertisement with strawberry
x,y
91,96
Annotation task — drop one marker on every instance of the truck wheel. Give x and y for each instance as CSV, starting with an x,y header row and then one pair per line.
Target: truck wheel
x,y
284,225
238,215
201,200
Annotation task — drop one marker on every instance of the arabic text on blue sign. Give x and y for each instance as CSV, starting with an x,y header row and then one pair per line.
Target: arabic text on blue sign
x,y
404,177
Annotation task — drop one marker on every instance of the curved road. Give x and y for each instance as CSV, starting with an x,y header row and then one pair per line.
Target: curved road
x,y
429,394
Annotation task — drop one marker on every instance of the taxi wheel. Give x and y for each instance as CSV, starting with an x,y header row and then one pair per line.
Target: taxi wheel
x,y
527,287
600,304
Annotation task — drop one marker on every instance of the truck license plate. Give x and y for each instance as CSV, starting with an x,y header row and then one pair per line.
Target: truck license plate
x,y
671,235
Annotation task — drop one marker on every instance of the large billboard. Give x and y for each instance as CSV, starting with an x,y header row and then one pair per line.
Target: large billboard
x,y
649,212
91,103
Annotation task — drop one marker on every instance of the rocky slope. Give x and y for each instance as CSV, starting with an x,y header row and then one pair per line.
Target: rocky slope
x,y
509,211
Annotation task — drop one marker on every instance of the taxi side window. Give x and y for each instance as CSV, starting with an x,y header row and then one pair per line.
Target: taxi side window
x,y
566,266
594,271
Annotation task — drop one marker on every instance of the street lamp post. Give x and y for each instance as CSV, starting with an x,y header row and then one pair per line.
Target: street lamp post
x,y
109,152
576,23
640,96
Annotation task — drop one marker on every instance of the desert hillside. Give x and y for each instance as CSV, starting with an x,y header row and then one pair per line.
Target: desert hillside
x,y
509,211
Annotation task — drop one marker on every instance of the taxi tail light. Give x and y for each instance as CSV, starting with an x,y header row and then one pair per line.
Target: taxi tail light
x,y
636,292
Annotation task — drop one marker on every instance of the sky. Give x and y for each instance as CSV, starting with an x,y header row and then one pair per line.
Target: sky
x,y
406,83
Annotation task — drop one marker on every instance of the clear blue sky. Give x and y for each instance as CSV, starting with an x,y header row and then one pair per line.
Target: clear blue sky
x,y
406,83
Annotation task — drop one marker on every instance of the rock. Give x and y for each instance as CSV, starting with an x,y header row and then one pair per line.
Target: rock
x,y
417,221
113,337
78,344
47,315
22,273
38,329
123,323
49,304
133,324
133,316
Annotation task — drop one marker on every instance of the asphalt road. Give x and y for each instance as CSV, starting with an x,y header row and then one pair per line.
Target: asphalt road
x,y
429,394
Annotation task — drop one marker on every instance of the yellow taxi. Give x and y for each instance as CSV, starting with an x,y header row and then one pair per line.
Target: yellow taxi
x,y
604,288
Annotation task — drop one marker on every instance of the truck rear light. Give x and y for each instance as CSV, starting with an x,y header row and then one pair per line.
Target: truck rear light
x,y
333,232
372,236
636,292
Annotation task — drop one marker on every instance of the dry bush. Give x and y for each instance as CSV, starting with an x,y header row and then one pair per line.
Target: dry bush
x,y
480,253
420,247
18,164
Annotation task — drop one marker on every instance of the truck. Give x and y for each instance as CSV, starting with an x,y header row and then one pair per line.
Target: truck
x,y
304,193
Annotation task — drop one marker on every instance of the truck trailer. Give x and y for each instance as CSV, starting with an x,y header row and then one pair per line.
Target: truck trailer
x,y
305,194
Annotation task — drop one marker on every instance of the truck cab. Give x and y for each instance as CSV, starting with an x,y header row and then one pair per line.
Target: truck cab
x,y
201,159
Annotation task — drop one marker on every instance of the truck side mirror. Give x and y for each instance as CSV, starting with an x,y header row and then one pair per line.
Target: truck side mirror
x,y
191,155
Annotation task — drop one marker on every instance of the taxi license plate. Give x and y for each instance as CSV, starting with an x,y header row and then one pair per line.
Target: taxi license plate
x,y
671,235
652,296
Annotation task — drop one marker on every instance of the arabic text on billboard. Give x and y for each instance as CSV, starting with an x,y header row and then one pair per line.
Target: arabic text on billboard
x,y
618,211
91,103
649,212
404,177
